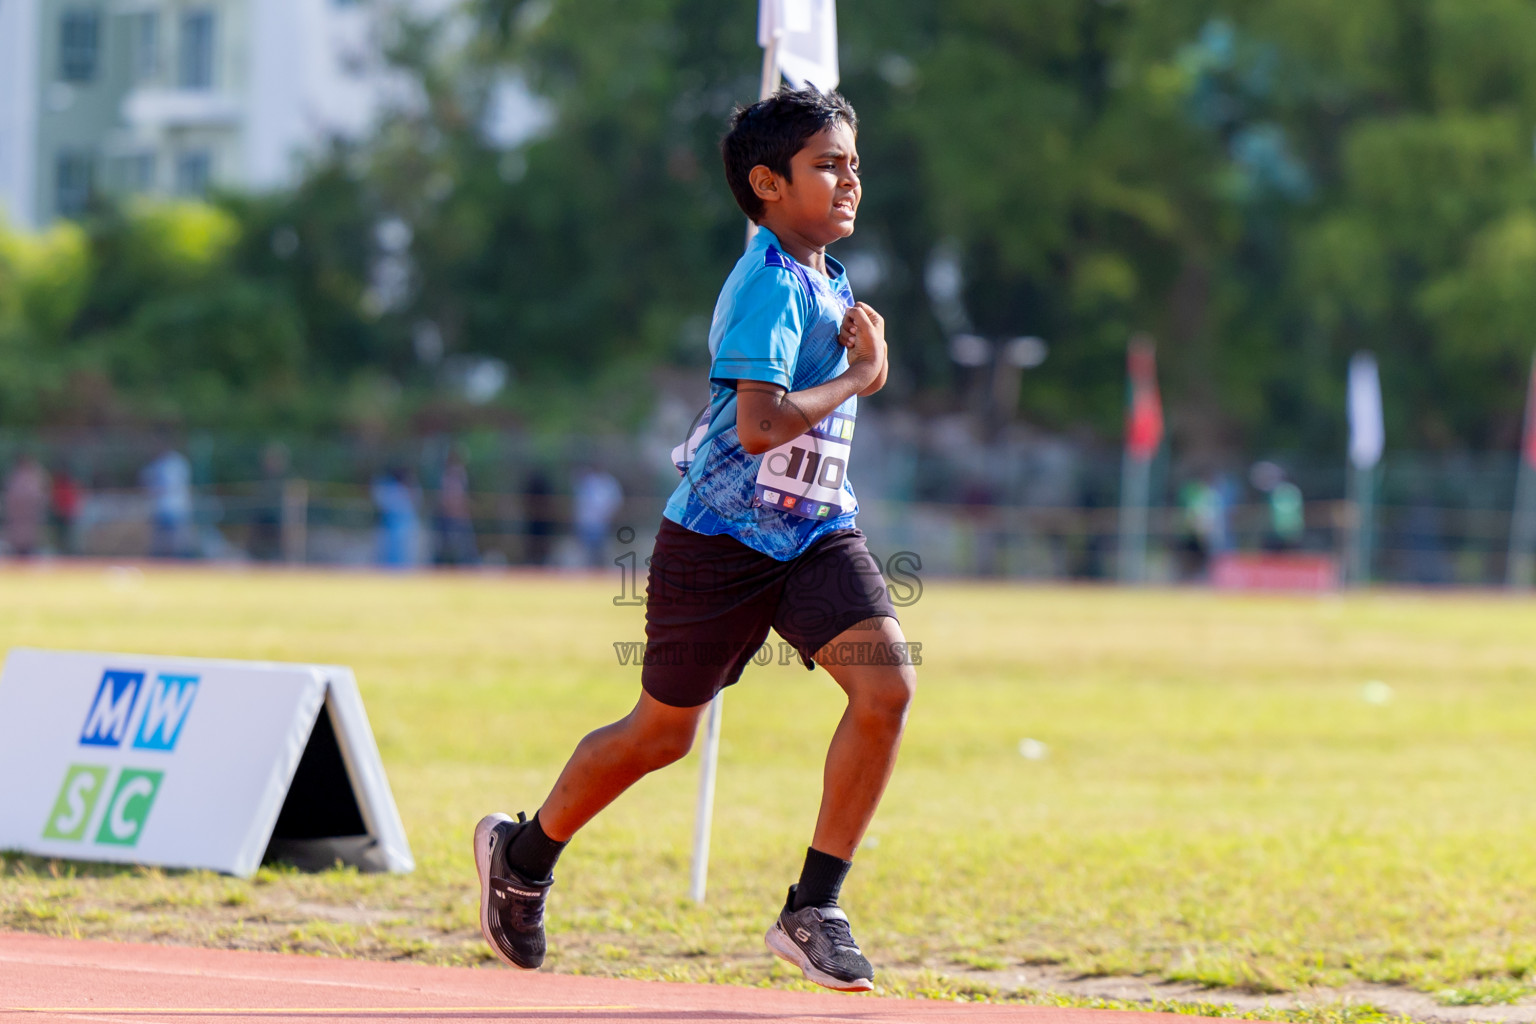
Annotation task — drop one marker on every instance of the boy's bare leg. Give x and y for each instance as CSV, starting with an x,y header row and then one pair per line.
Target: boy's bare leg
x,y
515,860
609,760
863,750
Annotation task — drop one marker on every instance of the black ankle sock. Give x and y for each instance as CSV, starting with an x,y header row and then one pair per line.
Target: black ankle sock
x,y
820,880
533,854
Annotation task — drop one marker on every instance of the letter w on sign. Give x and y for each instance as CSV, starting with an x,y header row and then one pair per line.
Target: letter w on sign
x,y
170,700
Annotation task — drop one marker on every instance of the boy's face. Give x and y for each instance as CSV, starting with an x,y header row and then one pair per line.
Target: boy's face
x,y
820,199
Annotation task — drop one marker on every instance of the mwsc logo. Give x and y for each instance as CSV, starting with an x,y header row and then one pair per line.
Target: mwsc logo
x,y
170,699
117,708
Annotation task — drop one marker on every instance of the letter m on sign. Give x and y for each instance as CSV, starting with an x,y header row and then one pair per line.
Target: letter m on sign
x,y
165,711
107,721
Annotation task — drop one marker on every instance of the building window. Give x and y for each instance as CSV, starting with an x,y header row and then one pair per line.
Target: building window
x,y
144,45
193,170
79,44
72,173
197,50
135,172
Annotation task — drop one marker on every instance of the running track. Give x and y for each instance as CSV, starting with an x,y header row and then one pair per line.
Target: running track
x,y
62,981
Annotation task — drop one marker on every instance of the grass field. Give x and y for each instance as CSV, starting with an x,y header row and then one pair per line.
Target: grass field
x,y
1259,795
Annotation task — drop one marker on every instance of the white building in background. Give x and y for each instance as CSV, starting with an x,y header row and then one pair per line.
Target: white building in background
x,y
171,96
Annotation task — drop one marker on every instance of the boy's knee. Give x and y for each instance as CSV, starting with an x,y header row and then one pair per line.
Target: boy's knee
x,y
674,748
887,693
666,746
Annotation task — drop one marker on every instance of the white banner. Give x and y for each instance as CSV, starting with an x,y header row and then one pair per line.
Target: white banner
x,y
191,763
806,31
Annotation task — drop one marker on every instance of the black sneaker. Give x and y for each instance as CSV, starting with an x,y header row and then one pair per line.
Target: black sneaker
x,y
819,942
511,907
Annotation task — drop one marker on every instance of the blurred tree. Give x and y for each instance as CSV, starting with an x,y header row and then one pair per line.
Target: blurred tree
x,y
593,250
43,282
1264,187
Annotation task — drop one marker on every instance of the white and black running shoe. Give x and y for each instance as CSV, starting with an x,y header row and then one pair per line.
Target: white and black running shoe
x,y
819,942
511,907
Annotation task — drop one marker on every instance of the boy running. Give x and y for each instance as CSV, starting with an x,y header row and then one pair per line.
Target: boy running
x,y
760,532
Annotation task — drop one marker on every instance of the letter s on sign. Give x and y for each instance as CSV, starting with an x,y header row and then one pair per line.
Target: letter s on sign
x,y
74,796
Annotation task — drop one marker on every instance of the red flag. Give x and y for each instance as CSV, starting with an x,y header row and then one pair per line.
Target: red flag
x,y
1528,443
1144,418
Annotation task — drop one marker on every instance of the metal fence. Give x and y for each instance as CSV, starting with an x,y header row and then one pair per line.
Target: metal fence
x,y
1023,506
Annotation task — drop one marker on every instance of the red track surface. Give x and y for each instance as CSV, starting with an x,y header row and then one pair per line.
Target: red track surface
x,y
53,981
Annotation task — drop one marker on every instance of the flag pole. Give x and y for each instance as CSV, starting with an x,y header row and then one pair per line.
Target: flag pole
x,y
1135,491
770,82
1521,570
704,812
1362,503
1143,437
1366,441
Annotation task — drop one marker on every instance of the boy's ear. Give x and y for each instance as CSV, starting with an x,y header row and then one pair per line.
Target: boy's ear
x,y
765,183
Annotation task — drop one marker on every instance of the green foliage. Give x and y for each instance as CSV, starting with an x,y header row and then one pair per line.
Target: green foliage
x,y
43,280
1265,188
181,331
181,313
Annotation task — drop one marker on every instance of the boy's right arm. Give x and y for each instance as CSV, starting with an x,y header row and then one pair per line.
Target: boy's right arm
x,y
767,415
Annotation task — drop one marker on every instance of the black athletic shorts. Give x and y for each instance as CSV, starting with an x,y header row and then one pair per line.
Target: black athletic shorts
x,y
710,601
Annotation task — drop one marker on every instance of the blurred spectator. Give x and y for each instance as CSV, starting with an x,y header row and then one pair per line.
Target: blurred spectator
x,y
1227,491
26,507
399,525
597,497
1287,518
987,541
1201,503
1096,545
455,525
538,509
267,527
1421,539
168,481
65,509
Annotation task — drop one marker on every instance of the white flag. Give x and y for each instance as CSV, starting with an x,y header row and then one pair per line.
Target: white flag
x,y
1367,436
807,35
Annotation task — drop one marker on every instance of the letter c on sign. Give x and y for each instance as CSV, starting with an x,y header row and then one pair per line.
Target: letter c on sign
x,y
121,827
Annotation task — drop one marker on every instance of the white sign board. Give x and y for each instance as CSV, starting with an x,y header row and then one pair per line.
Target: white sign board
x,y
191,763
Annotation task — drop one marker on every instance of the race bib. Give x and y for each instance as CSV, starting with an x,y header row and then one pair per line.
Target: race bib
x,y
805,477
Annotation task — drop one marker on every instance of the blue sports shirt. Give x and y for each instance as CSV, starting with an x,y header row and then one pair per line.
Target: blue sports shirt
x,y
776,321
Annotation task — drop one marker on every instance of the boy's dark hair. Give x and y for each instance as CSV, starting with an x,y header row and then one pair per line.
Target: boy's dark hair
x,y
771,131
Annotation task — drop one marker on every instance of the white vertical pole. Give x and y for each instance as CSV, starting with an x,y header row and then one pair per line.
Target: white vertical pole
x,y
704,814
770,82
